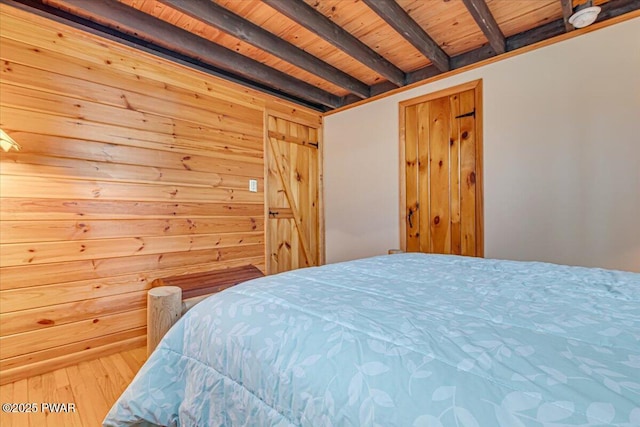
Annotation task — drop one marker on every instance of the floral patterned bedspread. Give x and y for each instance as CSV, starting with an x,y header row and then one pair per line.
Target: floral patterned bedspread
x,y
402,340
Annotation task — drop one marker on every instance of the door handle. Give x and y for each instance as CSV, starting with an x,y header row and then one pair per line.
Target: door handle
x,y
409,216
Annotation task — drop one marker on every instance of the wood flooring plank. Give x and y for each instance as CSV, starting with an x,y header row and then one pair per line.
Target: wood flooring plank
x,y
54,395
104,381
64,394
118,379
92,386
140,355
85,395
131,361
117,362
36,395
6,396
20,394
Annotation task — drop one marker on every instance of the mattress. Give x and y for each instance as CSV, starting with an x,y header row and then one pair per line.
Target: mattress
x,y
401,340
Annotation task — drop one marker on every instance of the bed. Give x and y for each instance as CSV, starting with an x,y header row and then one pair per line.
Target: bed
x,y
401,340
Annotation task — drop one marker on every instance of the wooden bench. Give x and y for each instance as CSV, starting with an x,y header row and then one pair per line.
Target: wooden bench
x,y
209,282
170,297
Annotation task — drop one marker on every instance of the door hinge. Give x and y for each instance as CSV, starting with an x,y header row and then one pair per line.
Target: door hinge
x,y
470,114
272,213
314,144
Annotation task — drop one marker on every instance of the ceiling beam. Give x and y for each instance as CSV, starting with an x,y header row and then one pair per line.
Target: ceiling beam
x,y
178,40
322,26
611,9
567,11
458,61
487,23
400,20
538,34
615,8
210,13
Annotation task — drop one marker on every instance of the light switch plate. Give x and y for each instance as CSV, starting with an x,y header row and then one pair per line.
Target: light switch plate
x,y
253,185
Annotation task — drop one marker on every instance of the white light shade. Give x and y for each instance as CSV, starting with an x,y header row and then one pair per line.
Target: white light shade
x,y
584,17
7,142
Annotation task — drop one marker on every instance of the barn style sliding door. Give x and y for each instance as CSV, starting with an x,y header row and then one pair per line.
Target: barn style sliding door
x,y
441,165
293,210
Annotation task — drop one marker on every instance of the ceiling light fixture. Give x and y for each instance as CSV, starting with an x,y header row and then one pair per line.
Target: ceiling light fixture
x,y
585,15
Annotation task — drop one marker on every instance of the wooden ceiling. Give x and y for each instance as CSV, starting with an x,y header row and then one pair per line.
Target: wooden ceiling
x,y
326,53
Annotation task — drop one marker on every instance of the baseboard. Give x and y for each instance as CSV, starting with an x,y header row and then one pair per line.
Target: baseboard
x,y
39,368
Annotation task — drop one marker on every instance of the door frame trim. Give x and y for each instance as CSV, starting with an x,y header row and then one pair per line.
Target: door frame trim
x,y
476,85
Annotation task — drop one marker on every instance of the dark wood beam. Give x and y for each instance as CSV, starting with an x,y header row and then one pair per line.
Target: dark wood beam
x,y
418,75
567,11
175,39
319,24
383,87
614,8
536,35
38,8
458,61
400,20
610,10
208,12
487,23
350,99
476,55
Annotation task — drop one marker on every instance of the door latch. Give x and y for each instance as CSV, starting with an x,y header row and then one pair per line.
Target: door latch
x,y
470,114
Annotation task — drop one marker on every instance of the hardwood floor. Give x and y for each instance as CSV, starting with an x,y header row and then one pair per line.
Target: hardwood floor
x,y
91,386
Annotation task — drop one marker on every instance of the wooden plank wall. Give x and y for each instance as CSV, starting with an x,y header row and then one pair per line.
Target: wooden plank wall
x,y
131,168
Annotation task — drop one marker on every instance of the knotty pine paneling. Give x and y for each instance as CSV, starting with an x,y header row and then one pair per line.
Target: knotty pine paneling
x,y
17,209
34,231
131,168
89,52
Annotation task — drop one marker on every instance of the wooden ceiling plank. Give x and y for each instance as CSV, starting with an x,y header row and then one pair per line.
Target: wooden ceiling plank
x,y
399,19
487,23
179,40
225,20
316,22
567,11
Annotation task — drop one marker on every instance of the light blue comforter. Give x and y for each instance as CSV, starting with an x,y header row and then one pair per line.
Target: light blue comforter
x,y
402,340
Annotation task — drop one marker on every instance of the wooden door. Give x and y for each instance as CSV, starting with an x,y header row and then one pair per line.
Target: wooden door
x,y
293,216
442,173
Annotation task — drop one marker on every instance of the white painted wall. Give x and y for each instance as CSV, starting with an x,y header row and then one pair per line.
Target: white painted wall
x,y
561,157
